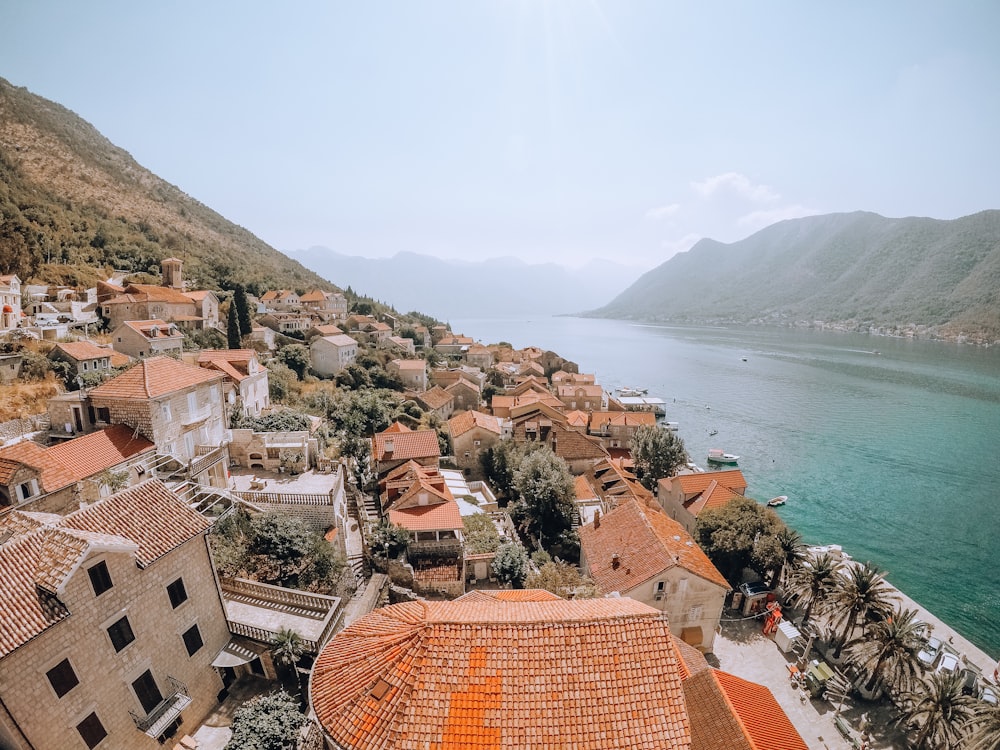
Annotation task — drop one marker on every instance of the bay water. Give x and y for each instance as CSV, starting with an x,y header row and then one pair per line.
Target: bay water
x,y
888,447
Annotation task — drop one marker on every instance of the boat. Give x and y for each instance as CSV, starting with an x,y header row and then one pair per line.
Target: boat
x,y
633,392
774,502
713,432
716,456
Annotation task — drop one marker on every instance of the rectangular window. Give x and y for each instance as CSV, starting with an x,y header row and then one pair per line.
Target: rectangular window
x,y
62,678
103,414
121,634
147,692
92,730
192,640
177,593
100,578
192,399
167,414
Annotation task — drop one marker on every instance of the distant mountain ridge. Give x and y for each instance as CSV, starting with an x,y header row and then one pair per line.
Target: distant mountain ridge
x,y
855,271
456,288
73,205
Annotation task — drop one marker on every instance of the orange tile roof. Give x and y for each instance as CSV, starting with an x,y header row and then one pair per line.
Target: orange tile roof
x,y
329,330
314,296
692,660
479,673
435,398
153,328
647,542
715,496
152,378
54,476
621,418
81,350
235,363
406,445
87,455
583,489
462,423
512,595
436,517
409,364
699,481
730,713
155,293
577,418
147,520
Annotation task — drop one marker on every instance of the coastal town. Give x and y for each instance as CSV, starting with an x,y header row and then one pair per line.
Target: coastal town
x,y
234,509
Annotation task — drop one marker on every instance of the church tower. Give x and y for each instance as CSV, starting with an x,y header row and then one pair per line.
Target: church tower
x,y
171,270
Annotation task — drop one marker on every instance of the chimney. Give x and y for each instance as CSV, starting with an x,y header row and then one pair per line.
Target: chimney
x,y
597,518
615,561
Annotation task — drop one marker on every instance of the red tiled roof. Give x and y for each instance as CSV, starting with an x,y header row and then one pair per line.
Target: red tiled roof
x,y
87,455
155,293
621,418
583,489
511,595
462,423
314,296
440,516
699,481
81,350
152,378
647,542
435,398
480,673
716,496
692,660
153,328
406,445
53,474
409,364
730,713
235,363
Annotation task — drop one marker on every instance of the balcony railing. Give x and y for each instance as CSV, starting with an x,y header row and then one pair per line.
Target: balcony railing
x,y
156,722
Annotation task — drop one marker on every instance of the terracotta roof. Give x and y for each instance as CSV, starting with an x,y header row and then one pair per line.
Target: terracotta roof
x,y
406,445
462,423
328,330
155,293
621,418
572,445
53,474
153,328
511,595
435,398
438,516
409,364
198,295
729,713
147,520
699,481
340,339
481,673
692,660
314,296
234,363
87,455
152,378
577,418
715,496
647,542
8,467
81,350
583,489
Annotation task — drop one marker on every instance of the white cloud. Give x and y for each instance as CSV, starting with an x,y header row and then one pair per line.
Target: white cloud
x,y
737,183
759,219
662,212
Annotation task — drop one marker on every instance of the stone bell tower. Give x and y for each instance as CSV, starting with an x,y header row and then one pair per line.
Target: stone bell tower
x,y
171,270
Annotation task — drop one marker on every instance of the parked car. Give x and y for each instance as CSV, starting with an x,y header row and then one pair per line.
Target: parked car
x,y
947,663
929,652
989,694
970,682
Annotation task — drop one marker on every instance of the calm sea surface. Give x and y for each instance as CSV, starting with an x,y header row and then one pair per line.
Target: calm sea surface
x,y
888,447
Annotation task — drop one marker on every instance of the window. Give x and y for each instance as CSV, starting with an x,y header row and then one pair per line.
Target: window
x,y
62,678
121,634
147,692
167,414
192,640
92,730
192,399
100,578
177,593
103,414
659,590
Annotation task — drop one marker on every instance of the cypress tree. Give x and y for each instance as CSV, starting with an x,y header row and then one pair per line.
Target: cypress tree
x,y
233,329
242,310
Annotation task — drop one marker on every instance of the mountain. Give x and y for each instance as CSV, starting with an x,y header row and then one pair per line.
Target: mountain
x,y
856,270
74,206
450,288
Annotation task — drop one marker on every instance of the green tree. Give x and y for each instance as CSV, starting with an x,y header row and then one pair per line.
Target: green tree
x,y
657,453
545,490
296,358
887,653
562,579
389,539
741,534
939,711
792,553
510,564
985,728
267,722
859,594
287,647
480,534
812,585
233,329
242,310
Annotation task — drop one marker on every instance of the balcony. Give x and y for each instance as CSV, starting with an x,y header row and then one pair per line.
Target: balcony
x,y
157,721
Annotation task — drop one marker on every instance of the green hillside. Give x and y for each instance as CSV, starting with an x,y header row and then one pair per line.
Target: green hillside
x,y
857,270
74,206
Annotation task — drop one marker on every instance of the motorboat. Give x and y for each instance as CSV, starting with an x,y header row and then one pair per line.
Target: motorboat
x,y
774,502
632,392
716,456
713,432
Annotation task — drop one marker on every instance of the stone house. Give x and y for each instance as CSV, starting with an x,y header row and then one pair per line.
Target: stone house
x,y
112,620
399,343
177,406
454,346
10,302
245,378
331,354
479,356
582,397
398,444
286,322
169,301
206,306
437,401
281,299
85,357
327,305
540,422
148,338
412,373
616,428
684,496
467,394
59,478
473,433
639,552
291,449
10,367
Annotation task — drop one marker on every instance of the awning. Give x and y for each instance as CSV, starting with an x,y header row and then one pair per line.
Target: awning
x,y
233,654
692,636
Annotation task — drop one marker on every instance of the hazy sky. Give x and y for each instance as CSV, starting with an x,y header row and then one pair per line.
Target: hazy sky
x,y
545,129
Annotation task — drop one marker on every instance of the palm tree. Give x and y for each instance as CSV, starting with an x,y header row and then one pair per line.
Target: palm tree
x,y
287,647
859,595
793,553
985,728
812,583
887,653
940,711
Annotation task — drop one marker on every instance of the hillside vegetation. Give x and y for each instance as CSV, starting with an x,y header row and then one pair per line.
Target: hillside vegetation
x,y
73,206
857,271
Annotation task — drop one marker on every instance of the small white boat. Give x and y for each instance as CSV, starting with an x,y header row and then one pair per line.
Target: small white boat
x,y
632,392
716,456
774,502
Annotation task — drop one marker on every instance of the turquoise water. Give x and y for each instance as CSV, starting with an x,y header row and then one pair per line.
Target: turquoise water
x,y
891,453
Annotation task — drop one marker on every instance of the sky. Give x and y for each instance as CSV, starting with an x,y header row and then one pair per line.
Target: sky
x,y
548,130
